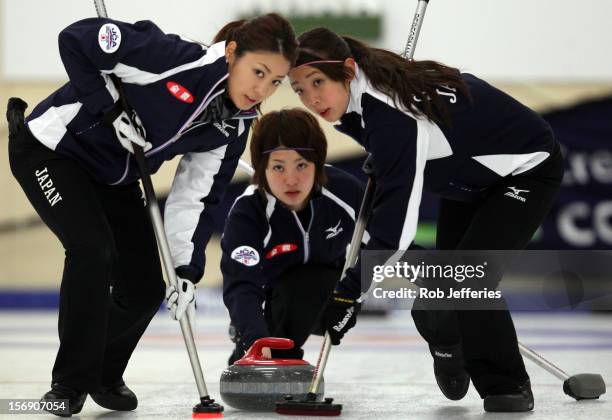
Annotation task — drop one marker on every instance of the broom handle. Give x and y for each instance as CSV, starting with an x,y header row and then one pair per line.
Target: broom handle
x,y
350,261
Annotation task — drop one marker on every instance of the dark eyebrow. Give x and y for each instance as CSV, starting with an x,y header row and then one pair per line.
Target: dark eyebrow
x,y
268,69
282,161
307,76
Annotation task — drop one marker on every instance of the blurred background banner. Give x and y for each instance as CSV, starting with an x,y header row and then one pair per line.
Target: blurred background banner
x,y
582,215
547,56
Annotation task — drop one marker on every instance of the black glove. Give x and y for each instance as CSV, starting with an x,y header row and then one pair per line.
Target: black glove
x,y
339,316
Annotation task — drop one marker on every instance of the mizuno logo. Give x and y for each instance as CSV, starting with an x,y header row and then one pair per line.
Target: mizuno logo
x,y
445,355
223,127
515,193
333,231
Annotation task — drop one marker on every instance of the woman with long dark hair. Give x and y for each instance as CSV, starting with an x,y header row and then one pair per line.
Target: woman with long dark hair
x,y
494,163
73,157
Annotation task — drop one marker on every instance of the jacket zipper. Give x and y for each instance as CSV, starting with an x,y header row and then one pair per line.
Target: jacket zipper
x,y
305,234
187,126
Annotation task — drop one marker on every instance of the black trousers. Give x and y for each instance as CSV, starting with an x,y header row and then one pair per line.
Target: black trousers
x,y
497,222
294,305
109,241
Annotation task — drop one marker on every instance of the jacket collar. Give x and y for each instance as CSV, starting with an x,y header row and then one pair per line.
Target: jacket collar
x,y
357,87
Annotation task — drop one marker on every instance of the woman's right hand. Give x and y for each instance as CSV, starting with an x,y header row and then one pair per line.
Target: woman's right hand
x,y
129,129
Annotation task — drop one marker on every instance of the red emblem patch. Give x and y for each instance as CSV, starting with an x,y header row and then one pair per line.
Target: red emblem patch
x,y
179,92
281,249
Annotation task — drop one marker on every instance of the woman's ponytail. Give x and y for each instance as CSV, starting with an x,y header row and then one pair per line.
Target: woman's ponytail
x,y
411,84
227,33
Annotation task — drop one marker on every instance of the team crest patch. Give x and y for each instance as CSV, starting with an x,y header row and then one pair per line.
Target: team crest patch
x,y
246,255
179,92
109,38
280,249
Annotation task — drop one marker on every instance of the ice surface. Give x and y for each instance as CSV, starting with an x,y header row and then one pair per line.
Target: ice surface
x,y
383,369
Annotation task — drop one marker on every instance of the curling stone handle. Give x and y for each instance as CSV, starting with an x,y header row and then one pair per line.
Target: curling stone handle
x,y
272,342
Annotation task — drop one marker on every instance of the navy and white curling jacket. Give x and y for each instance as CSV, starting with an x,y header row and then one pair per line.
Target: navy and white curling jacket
x,y
264,239
169,82
490,137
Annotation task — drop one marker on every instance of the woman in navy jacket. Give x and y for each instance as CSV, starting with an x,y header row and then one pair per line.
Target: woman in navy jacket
x,y
73,158
494,163
286,236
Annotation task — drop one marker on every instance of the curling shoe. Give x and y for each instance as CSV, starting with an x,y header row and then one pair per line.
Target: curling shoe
x,y
451,376
116,397
75,399
517,400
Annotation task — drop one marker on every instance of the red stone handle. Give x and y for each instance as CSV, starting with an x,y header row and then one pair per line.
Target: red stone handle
x,y
255,357
272,342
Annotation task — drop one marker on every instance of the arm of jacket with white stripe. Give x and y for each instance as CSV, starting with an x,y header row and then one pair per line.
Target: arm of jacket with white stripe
x,y
346,187
141,45
243,285
199,184
399,151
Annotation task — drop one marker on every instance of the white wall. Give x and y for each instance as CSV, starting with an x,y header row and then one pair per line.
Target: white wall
x,y
564,40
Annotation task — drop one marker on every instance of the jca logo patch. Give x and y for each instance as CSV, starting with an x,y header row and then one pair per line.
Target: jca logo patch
x,y
109,38
246,255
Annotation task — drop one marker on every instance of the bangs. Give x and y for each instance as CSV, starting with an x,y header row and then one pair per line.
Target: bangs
x,y
289,129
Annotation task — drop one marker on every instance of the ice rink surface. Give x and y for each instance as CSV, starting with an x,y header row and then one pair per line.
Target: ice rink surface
x,y
383,369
